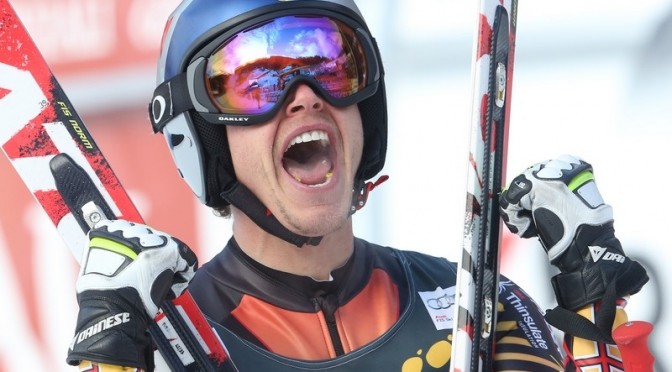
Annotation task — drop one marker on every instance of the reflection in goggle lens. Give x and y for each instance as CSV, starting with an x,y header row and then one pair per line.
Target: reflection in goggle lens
x,y
249,72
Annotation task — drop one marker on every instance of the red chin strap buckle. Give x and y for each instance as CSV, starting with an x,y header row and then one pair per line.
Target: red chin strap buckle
x,y
360,201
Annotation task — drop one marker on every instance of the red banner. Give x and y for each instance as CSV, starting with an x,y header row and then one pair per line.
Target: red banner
x,y
84,36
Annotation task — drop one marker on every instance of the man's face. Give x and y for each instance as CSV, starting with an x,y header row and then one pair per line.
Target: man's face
x,y
301,164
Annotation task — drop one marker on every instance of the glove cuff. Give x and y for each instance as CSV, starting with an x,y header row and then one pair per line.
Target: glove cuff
x,y
593,261
112,328
594,270
571,293
576,289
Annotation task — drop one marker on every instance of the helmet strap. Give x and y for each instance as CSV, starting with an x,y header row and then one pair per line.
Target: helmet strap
x,y
242,198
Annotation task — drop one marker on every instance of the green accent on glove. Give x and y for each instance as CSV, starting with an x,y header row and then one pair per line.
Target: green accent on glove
x,y
113,246
580,180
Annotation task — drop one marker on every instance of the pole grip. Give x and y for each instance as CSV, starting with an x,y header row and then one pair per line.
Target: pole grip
x,y
632,341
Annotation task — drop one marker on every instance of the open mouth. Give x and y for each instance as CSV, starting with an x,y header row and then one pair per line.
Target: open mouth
x,y
308,158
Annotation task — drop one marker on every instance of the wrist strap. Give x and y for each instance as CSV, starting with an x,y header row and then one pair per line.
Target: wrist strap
x,y
576,325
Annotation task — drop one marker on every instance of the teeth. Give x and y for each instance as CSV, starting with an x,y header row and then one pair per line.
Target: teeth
x,y
315,135
327,177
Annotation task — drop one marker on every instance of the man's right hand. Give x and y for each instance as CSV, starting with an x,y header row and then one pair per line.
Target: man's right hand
x,y
127,272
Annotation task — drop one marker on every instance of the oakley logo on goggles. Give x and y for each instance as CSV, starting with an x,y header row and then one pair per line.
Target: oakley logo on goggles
x,y
245,78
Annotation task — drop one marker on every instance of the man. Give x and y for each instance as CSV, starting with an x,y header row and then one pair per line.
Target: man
x,y
275,113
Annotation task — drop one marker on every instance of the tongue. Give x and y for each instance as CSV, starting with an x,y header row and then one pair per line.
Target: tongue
x,y
310,171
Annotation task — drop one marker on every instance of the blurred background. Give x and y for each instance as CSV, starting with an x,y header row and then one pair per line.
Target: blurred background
x,y
591,79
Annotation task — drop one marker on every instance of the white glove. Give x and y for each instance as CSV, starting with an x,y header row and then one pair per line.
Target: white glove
x,y
558,201
127,272
551,200
126,254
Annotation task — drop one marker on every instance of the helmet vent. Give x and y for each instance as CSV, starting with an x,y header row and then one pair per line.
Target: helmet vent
x,y
176,139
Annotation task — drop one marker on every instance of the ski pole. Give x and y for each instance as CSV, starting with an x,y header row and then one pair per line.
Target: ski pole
x,y
632,340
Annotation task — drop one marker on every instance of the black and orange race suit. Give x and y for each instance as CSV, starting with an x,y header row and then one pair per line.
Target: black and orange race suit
x,y
384,310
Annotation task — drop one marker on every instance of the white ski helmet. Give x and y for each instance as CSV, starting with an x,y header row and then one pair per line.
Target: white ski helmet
x,y
190,116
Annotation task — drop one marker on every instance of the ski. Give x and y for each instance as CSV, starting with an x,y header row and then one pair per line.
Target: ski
x,y
478,269
58,160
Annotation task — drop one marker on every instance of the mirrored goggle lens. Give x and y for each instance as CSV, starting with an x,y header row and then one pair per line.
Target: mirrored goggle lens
x,y
249,72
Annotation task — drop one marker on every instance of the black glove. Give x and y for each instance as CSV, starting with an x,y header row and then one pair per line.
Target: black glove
x,y
128,271
558,201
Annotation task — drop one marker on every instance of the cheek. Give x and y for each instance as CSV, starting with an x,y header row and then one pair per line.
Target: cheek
x,y
358,148
245,144
355,136
236,139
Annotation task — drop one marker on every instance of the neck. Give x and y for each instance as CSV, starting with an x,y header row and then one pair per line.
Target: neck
x,y
316,262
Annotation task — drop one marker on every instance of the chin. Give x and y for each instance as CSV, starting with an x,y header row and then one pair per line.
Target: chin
x,y
318,223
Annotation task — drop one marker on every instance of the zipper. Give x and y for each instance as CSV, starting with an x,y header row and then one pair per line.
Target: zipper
x,y
328,305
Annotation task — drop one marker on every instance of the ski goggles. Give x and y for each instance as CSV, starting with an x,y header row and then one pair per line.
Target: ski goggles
x,y
243,76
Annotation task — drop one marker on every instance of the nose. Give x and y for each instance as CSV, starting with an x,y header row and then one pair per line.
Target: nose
x,y
302,99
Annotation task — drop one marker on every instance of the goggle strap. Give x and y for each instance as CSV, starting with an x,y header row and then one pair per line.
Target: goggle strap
x,y
242,198
171,98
